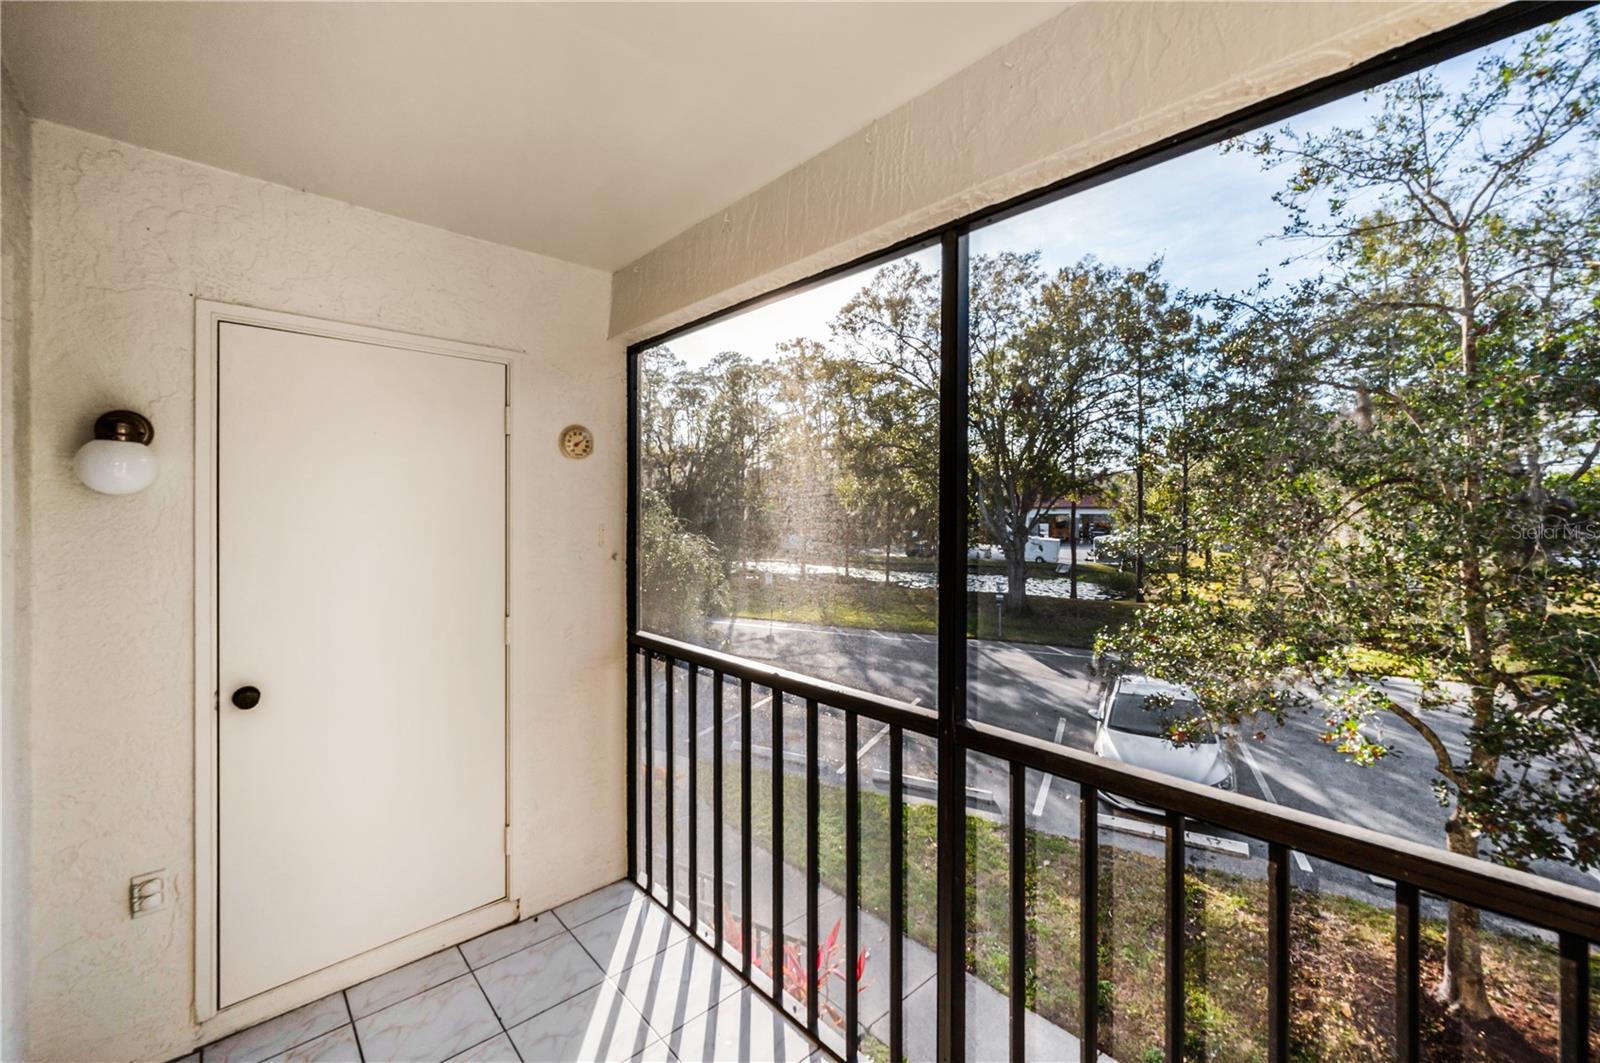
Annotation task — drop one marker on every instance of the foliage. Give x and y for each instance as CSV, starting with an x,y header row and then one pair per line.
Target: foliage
x,y
1046,390
680,574
1391,468
1342,949
1400,452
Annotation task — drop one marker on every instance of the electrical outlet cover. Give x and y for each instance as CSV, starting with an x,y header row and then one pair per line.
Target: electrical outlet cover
x,y
147,892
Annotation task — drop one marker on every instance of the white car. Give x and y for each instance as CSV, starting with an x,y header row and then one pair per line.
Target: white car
x,y
1133,719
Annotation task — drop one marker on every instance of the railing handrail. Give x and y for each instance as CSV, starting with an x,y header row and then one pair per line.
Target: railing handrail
x,y
913,718
1508,891
1516,894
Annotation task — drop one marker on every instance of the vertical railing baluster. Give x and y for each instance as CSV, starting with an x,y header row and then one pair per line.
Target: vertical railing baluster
x,y
694,798
813,877
777,846
746,842
897,896
1575,961
1277,953
649,772
718,680
1407,973
852,887
1175,904
1019,915
1574,999
1089,920
633,765
670,676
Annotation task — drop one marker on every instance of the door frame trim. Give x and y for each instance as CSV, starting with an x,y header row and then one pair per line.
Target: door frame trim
x,y
209,316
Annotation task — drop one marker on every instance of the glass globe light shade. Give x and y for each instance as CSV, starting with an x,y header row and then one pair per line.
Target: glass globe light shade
x,y
118,460
115,468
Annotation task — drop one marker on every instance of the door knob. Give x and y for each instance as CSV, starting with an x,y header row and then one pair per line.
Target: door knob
x,y
247,697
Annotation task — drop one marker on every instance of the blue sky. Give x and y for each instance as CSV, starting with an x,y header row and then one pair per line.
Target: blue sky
x,y
1208,214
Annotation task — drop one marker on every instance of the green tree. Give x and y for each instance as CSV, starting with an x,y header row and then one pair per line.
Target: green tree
x,y
681,581
1422,424
705,447
1052,359
811,519
1146,328
886,341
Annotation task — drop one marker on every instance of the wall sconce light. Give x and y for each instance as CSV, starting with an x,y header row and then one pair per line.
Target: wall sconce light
x,y
118,460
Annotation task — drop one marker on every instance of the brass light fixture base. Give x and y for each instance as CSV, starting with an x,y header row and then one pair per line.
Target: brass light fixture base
x,y
124,426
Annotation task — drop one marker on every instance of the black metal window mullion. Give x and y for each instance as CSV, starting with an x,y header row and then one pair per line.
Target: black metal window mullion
x,y
631,612
952,700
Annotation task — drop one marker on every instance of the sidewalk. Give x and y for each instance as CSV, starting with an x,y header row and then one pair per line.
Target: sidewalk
x,y
988,1011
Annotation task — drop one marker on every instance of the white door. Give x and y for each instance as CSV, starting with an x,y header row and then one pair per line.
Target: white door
x,y
361,515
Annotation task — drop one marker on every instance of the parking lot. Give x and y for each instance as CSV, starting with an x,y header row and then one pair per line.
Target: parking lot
x,y
1048,692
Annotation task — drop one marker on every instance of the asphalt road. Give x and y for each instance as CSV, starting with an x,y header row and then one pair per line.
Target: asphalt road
x,y
1047,692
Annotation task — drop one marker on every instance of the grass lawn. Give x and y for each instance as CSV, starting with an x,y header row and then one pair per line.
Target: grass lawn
x,y
887,607
1342,949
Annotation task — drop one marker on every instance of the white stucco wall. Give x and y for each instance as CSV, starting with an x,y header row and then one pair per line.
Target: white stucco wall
x,y
1095,83
16,241
124,239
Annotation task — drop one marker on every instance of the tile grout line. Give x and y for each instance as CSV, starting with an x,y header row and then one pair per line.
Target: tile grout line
x,y
412,996
659,1037
492,1009
486,998
608,978
604,978
290,1048
344,994
742,986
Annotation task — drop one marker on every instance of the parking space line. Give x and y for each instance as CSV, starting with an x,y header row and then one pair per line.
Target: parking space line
x,y
794,756
757,623
1300,860
931,787
1039,647
874,740
1228,846
1044,787
733,717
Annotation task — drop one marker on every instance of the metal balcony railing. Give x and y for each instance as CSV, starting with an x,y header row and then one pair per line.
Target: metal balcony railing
x,y
1571,914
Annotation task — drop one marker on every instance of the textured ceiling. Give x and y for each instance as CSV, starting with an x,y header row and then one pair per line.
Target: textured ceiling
x,y
590,132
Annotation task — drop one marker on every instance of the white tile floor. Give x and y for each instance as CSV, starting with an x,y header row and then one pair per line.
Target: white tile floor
x,y
608,976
